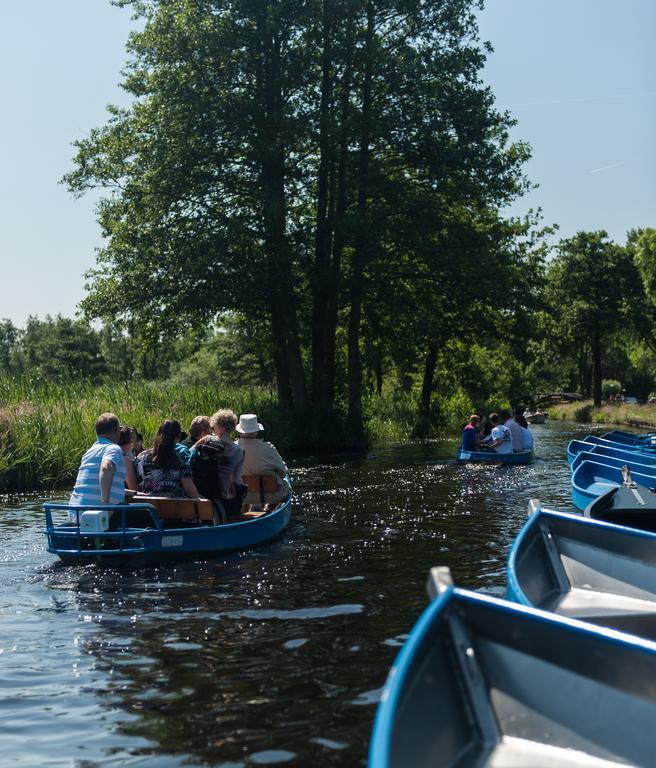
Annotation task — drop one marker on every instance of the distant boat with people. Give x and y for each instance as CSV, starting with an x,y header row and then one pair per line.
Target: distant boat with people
x,y
536,417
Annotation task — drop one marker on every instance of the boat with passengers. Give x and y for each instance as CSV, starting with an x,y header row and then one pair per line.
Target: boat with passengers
x,y
149,529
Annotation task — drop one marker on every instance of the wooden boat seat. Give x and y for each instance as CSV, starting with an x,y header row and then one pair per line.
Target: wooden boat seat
x,y
261,483
265,487
188,510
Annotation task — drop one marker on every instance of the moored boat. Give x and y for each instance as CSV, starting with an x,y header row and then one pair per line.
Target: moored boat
x,y
484,682
629,504
592,478
630,438
158,536
575,447
633,462
585,569
646,448
492,457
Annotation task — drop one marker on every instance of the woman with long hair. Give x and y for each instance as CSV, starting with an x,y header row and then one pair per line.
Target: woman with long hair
x,y
160,470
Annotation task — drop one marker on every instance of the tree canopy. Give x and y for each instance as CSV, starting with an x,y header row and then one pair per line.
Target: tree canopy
x,y
336,168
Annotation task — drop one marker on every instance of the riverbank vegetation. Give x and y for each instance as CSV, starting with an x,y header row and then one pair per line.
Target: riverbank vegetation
x,y
585,412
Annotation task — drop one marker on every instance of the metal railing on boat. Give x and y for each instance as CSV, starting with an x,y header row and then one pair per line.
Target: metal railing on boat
x,y
58,535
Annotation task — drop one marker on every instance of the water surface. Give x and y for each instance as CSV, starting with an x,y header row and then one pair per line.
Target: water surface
x,y
270,657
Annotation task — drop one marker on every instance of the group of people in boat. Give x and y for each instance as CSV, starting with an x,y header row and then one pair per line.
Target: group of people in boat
x,y
499,432
206,463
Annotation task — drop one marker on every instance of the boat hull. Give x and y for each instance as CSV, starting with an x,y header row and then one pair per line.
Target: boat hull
x,y
134,546
483,682
633,462
591,479
490,457
585,569
576,447
634,507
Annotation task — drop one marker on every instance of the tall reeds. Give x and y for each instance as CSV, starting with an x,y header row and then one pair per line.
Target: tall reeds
x,y
45,426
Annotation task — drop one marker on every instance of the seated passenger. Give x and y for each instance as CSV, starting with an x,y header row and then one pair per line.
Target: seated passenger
x,y
125,440
506,418
199,427
160,470
261,459
500,438
470,434
101,476
217,462
527,435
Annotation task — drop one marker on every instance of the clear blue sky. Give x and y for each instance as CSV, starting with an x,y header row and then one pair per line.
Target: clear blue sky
x,y
579,75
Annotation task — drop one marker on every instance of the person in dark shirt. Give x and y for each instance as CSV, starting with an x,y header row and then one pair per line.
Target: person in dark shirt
x,y
470,438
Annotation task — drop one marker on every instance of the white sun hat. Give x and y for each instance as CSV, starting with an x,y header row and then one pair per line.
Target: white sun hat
x,y
248,424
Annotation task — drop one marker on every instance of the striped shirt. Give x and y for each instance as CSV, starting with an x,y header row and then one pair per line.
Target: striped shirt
x,y
87,484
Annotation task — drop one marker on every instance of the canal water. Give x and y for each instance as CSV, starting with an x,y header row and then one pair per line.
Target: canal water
x,y
271,657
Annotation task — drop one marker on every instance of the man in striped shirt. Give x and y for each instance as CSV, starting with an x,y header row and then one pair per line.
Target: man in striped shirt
x,y
101,477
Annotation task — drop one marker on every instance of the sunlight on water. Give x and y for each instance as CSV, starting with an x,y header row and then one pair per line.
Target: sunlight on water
x,y
275,656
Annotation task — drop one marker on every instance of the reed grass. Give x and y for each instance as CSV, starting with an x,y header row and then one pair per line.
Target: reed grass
x,y
45,426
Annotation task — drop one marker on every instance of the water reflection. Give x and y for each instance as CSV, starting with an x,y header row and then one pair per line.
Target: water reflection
x,y
276,656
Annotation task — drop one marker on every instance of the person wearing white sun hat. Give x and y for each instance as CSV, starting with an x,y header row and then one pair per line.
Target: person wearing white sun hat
x,y
261,458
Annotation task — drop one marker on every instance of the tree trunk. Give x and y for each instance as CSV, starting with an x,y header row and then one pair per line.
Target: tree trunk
x,y
362,239
339,206
596,361
427,384
290,376
321,284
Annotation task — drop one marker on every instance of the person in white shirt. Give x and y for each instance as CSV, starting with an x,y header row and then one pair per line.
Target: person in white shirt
x,y
499,438
261,458
505,417
527,435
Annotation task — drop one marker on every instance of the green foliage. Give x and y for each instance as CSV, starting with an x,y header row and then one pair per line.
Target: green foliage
x,y
316,166
610,387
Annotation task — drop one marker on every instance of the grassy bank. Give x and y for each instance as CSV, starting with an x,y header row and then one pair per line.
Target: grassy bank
x,y
636,416
45,427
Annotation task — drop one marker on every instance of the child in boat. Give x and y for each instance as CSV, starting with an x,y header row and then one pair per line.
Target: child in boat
x,y
470,434
125,440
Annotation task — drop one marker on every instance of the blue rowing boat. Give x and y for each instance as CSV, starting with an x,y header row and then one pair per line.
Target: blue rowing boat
x,y
634,463
585,569
484,682
591,478
492,457
575,447
156,538
630,438
642,448
630,504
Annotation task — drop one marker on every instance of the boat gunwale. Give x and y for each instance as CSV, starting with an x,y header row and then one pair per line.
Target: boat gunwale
x,y
383,728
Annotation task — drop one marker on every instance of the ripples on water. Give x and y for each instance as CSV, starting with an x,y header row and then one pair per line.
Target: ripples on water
x,y
271,657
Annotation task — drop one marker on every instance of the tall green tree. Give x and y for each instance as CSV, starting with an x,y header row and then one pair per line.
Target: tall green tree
x,y
268,147
587,283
